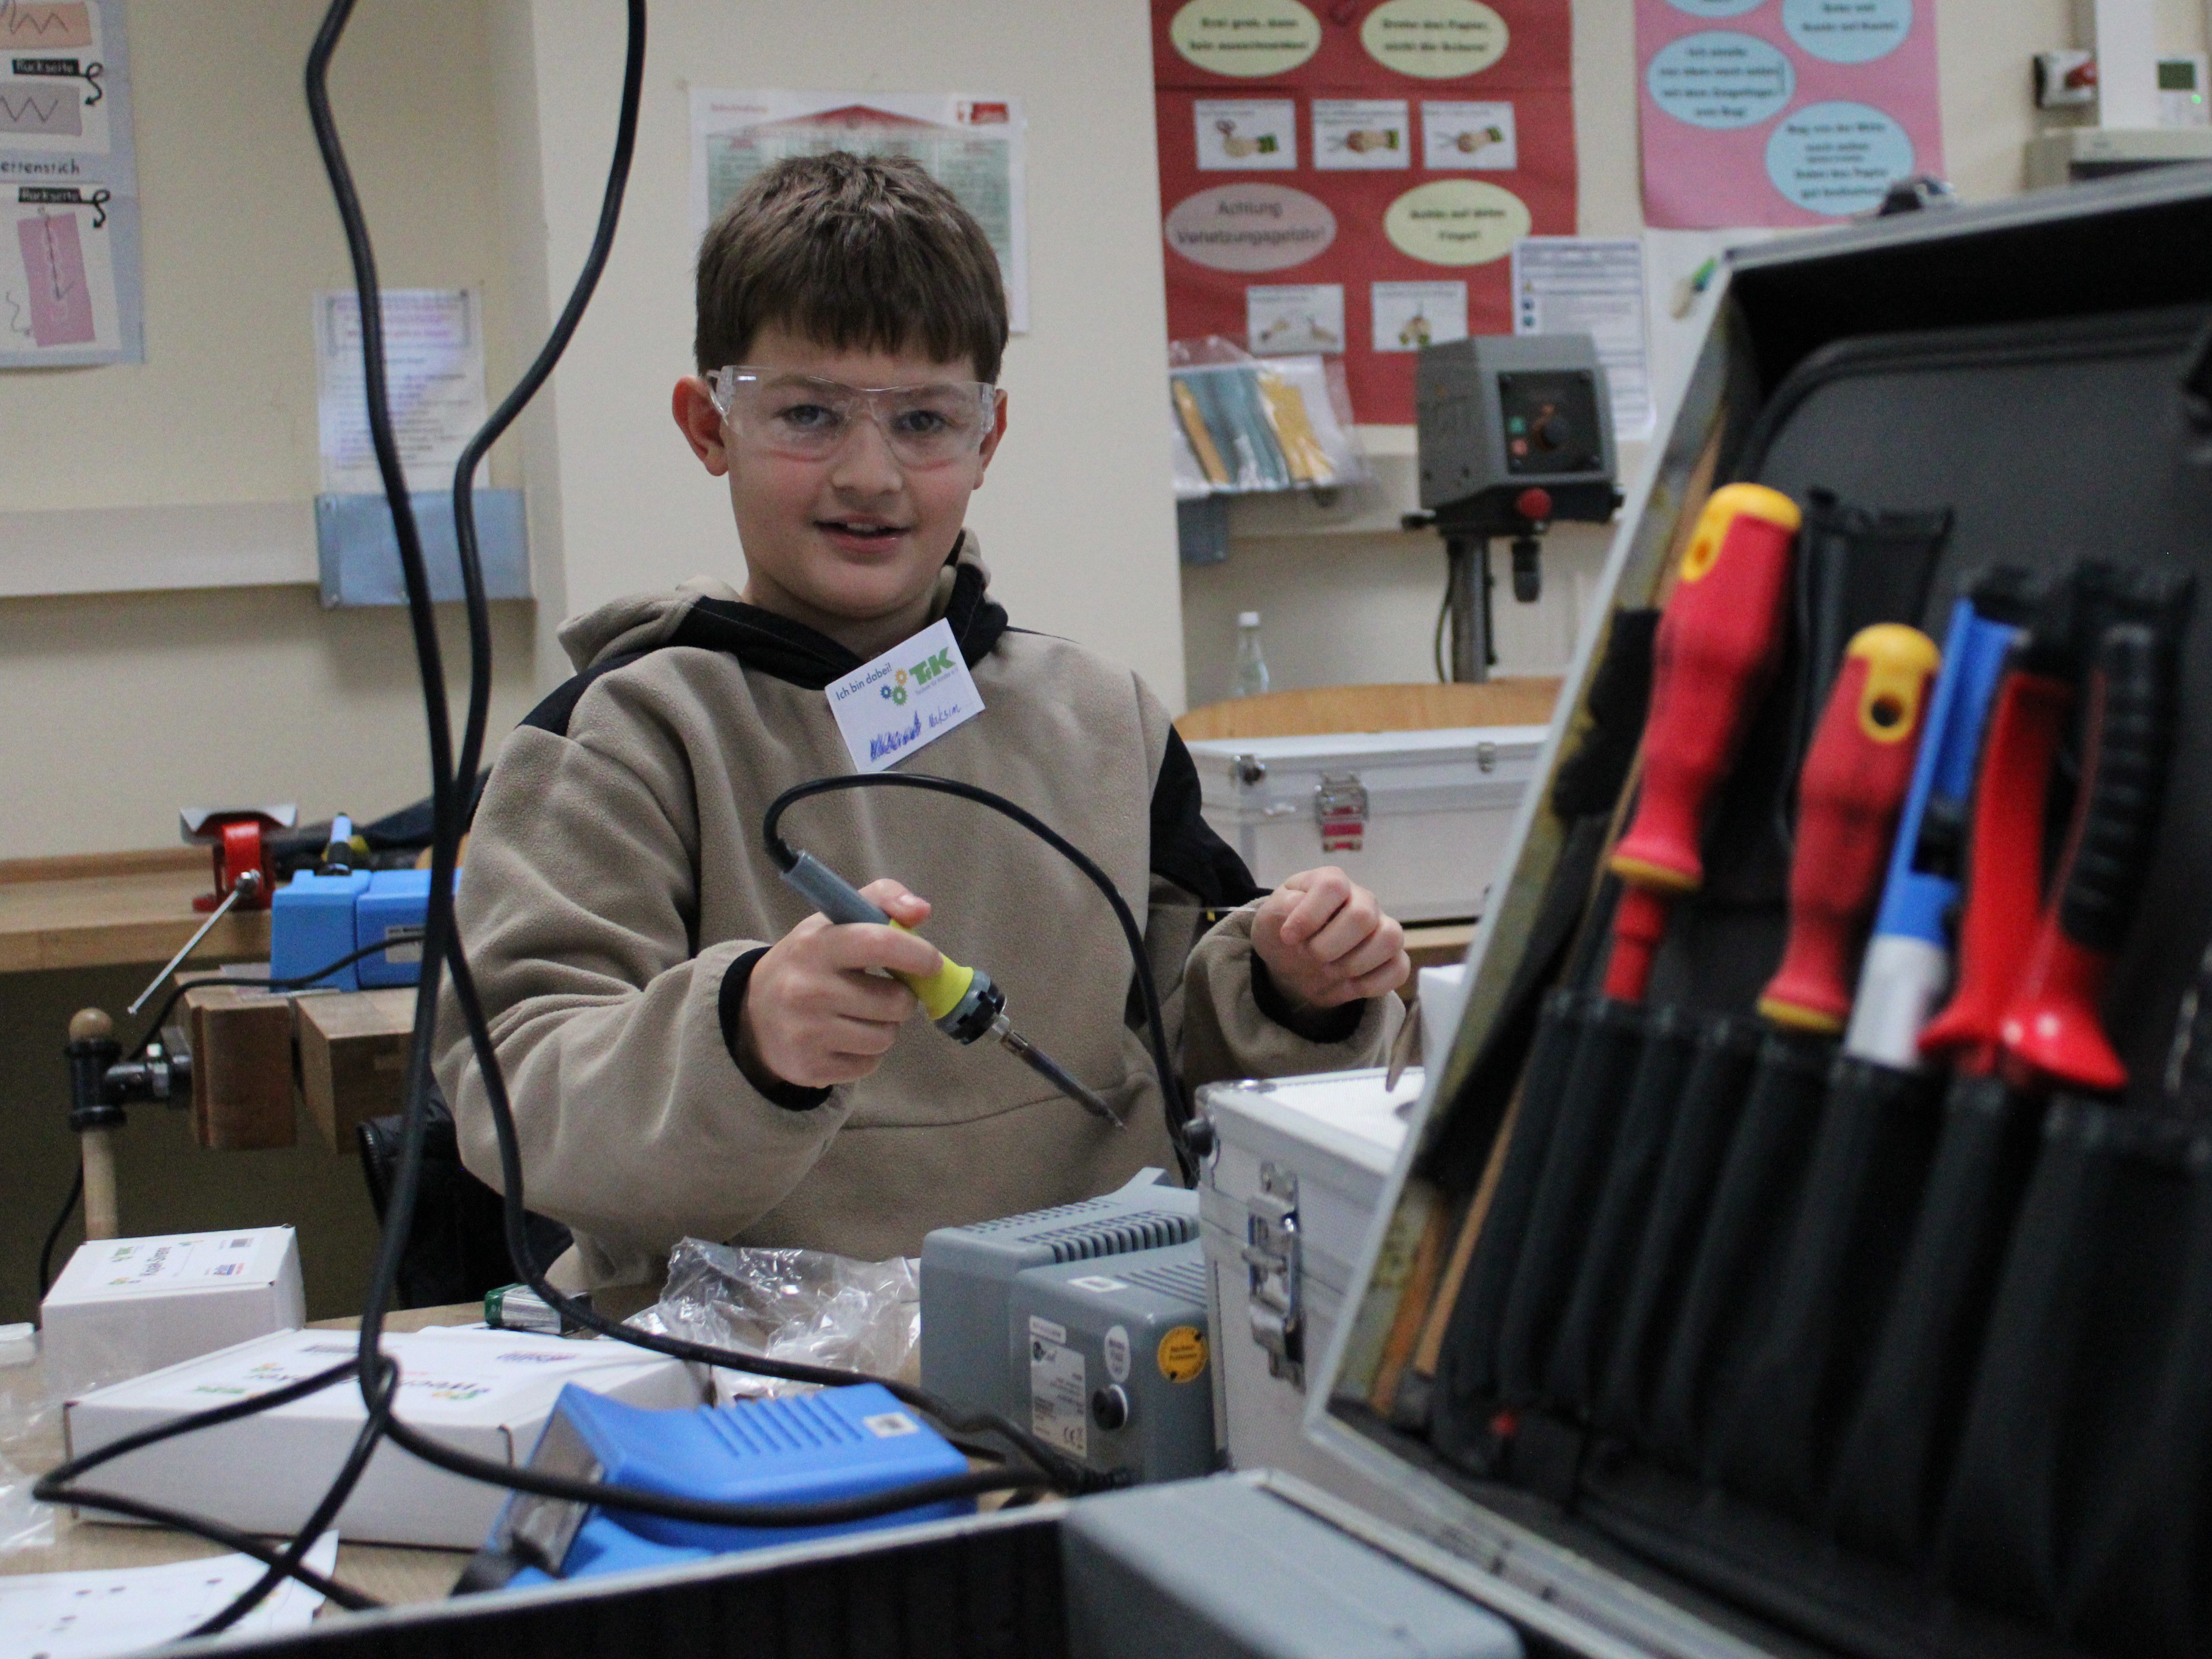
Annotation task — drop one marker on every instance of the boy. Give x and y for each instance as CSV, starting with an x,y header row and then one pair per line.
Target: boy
x,y
689,1050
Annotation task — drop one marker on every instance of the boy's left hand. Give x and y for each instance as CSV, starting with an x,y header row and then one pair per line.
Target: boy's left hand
x,y
1327,942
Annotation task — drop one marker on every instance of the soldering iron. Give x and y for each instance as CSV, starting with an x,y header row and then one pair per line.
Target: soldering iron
x,y
962,1001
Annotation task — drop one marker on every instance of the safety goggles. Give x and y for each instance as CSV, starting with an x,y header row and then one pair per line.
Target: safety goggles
x,y
809,419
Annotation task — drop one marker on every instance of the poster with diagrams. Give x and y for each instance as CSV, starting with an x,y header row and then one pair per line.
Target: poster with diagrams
x,y
69,187
1782,113
971,144
1351,177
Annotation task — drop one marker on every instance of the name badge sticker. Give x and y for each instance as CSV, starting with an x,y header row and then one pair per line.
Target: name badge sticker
x,y
906,699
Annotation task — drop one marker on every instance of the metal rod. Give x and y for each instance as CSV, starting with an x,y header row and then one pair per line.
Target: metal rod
x,y
1467,560
1046,1067
247,886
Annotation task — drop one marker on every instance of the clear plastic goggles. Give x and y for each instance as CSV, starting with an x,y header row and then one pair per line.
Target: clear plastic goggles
x,y
810,419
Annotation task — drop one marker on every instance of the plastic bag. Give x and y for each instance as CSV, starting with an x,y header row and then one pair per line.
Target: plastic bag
x,y
805,1306
24,1523
1243,423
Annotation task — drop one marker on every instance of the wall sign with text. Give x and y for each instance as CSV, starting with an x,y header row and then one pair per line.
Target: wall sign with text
x,y
1782,112
1350,177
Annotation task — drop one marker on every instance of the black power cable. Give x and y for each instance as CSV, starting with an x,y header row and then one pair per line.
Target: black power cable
x,y
54,1232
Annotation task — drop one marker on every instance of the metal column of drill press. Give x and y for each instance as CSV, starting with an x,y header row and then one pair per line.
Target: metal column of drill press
x,y
1516,434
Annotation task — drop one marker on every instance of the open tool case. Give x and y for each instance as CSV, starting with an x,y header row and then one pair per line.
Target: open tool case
x,y
1712,1343
1874,1361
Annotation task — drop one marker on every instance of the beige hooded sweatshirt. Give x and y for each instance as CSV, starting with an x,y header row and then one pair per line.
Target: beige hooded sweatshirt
x,y
618,892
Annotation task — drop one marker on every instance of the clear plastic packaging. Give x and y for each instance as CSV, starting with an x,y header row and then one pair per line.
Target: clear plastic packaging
x,y
30,1435
805,1306
1241,423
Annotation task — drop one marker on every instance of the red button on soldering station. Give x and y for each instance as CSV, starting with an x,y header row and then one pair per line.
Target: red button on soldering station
x,y
1534,505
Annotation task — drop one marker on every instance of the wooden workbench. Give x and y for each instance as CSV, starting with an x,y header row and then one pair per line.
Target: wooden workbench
x,y
103,910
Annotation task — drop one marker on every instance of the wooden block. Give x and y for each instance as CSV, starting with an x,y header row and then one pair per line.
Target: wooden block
x,y
241,1068
353,1058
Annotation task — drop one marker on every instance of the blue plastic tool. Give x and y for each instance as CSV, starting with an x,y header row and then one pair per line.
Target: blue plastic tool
x,y
839,1443
1908,959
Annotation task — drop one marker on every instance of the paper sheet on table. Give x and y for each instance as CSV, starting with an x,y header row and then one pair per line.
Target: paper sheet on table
x,y
434,368
87,1615
1586,285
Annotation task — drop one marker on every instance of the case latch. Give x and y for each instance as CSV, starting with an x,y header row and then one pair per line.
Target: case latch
x,y
1340,805
1276,1307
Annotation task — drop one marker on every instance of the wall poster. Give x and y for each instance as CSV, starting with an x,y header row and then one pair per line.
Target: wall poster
x,y
1350,176
1782,113
68,188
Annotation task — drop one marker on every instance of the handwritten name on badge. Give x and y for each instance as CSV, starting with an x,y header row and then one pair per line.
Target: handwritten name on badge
x,y
907,698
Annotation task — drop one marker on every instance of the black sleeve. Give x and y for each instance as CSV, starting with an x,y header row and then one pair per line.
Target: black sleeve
x,y
1185,850
729,1005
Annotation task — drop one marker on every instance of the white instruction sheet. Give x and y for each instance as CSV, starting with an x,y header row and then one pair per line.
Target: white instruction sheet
x,y
434,369
89,1615
970,143
1594,286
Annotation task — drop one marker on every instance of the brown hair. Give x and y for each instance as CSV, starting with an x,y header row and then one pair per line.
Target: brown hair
x,y
850,251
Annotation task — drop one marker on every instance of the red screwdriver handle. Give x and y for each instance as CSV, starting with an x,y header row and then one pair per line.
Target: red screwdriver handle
x,y
1640,923
2051,1031
1717,644
1848,796
2004,867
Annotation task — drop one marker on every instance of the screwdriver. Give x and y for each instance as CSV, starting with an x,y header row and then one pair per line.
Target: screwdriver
x,y
1718,642
1908,961
1848,794
962,1001
2004,858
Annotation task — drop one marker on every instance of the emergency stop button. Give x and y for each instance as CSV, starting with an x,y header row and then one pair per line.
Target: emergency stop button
x,y
1534,505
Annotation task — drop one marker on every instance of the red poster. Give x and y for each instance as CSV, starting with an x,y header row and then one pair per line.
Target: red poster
x,y
1350,177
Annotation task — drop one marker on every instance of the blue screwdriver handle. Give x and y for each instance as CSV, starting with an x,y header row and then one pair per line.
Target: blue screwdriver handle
x,y
1908,959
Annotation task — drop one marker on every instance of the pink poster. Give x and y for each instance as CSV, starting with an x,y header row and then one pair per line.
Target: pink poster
x,y
1782,112
53,261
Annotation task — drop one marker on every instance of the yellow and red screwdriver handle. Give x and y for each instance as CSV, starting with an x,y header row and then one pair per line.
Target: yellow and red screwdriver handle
x,y
1717,645
1849,792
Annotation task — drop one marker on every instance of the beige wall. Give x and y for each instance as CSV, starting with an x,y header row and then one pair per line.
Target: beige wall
x,y
478,129
121,707
1352,608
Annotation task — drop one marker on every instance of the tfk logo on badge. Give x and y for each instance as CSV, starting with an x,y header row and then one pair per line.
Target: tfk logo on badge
x,y
922,672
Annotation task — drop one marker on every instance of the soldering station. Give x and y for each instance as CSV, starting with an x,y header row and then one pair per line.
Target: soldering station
x,y
1788,1231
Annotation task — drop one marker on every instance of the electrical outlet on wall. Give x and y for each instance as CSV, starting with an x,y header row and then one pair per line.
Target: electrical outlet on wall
x,y
2065,79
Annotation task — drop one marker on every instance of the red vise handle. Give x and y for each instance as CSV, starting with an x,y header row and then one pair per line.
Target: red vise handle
x,y
1849,792
1717,645
2051,1031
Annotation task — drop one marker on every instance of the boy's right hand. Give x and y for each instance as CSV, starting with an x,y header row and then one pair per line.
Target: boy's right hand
x,y
814,1015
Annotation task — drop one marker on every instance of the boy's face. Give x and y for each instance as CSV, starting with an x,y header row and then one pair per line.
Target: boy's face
x,y
848,542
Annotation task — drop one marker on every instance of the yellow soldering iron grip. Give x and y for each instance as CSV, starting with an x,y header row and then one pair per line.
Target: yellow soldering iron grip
x,y
939,992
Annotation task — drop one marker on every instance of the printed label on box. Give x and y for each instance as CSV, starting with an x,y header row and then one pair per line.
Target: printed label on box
x,y
1059,1399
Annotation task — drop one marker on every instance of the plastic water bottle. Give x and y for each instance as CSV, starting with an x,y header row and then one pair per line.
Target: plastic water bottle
x,y
1251,662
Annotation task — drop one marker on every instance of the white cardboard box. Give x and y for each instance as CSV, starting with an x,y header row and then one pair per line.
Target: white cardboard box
x,y
1324,1145
1420,819
488,1393
126,1306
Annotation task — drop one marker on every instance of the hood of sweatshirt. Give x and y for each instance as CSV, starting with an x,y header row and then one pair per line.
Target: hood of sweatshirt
x,y
706,612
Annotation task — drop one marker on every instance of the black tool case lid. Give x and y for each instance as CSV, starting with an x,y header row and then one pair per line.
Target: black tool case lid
x,y
2027,378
